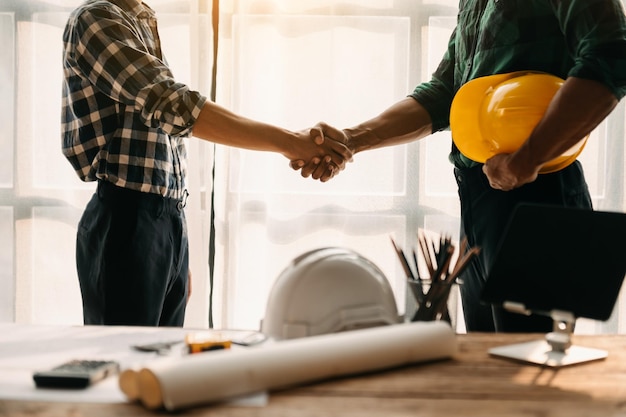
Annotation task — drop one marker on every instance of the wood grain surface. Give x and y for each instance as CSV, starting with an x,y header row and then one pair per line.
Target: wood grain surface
x,y
471,384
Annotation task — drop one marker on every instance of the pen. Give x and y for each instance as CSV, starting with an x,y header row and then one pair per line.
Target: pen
x,y
403,260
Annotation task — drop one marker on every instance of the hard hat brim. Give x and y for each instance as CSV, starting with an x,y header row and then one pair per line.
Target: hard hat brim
x,y
468,133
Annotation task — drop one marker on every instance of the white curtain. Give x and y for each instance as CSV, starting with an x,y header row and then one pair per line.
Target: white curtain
x,y
292,63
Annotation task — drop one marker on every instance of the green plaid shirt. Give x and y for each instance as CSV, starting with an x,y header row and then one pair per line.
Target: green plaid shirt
x,y
578,38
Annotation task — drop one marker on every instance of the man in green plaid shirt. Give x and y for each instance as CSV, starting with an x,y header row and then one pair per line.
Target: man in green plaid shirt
x,y
580,41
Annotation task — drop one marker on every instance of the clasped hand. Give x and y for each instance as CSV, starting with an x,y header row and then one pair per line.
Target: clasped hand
x,y
334,150
504,173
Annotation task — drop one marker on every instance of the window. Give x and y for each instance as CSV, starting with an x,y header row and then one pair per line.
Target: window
x,y
291,63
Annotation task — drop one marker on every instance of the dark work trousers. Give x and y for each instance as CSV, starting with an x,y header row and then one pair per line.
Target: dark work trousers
x,y
484,215
132,258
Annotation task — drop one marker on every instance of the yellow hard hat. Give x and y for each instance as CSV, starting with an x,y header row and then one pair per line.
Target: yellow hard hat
x,y
497,113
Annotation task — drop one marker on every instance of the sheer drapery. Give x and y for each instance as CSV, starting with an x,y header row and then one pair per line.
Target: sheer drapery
x,y
292,63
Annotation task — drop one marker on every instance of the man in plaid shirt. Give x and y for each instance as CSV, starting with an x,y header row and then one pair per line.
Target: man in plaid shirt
x,y
124,120
580,41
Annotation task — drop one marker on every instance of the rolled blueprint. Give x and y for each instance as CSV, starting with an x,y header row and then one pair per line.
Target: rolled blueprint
x,y
209,377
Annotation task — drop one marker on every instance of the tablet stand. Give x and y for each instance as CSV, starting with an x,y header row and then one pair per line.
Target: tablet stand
x,y
556,349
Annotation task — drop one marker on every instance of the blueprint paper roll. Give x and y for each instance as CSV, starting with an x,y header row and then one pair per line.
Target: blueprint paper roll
x,y
219,375
128,382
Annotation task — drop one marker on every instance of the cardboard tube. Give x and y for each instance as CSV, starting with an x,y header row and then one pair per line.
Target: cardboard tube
x,y
129,383
214,376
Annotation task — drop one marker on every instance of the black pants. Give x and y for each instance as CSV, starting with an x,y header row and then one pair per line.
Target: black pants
x,y
484,216
132,259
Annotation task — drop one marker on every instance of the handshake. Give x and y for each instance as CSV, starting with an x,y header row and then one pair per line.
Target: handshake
x,y
320,152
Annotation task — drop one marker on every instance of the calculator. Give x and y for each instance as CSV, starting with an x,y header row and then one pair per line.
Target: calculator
x,y
78,373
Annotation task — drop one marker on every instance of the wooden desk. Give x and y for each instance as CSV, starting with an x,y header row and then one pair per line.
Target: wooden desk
x,y
471,384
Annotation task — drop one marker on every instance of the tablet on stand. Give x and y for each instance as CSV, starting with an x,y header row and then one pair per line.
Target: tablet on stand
x,y
563,263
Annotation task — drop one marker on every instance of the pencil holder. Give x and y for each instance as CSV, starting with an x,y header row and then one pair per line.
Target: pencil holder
x,y
430,300
431,290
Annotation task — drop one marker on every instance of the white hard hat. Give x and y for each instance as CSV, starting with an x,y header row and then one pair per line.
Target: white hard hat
x,y
328,290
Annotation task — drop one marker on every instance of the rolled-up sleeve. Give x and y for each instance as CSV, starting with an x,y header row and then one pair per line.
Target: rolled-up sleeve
x,y
113,56
596,34
171,105
436,95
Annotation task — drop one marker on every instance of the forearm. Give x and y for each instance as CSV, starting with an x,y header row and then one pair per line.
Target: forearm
x,y
403,122
219,125
577,109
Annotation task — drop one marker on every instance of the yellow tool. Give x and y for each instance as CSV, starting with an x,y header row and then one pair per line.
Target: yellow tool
x,y
205,341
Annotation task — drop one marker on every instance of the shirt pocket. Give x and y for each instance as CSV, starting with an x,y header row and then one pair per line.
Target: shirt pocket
x,y
501,22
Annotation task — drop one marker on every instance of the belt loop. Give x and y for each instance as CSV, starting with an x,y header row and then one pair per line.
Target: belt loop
x,y
99,189
183,201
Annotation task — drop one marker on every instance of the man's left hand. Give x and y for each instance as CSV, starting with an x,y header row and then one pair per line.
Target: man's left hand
x,y
505,173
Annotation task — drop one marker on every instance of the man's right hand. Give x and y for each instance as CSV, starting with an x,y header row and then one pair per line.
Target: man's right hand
x,y
324,169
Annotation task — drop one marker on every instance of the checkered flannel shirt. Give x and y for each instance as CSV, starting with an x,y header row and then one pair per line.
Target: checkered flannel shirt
x,y
124,116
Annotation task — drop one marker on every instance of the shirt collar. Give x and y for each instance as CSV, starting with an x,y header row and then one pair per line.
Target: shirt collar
x,y
134,7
